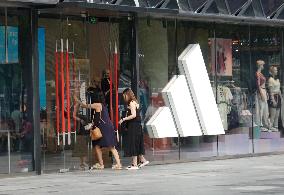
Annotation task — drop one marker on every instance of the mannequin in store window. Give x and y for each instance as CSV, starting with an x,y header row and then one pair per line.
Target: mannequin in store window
x,y
261,105
275,98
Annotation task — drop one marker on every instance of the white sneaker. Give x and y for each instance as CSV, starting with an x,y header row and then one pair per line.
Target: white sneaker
x,y
143,164
132,167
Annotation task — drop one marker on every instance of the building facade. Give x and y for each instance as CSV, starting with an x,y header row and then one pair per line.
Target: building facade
x,y
241,43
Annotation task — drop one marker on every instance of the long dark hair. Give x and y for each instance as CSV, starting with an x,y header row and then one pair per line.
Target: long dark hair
x,y
97,96
131,96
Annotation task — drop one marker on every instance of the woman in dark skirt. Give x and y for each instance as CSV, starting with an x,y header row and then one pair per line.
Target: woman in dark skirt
x,y
102,121
134,138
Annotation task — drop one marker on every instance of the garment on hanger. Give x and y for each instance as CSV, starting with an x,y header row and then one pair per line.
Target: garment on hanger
x,y
224,98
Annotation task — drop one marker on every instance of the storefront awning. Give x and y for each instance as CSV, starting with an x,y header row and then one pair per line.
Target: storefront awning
x,y
238,8
36,1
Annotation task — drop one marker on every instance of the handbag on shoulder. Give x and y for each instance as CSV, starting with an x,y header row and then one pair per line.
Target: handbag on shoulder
x,y
96,133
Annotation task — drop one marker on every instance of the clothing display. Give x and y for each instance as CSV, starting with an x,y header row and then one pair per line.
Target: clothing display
x,y
224,98
232,104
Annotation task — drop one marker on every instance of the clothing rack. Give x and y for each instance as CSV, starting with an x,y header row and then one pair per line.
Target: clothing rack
x,y
227,81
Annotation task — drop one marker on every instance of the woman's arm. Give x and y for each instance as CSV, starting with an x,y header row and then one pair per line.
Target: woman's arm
x,y
132,106
96,106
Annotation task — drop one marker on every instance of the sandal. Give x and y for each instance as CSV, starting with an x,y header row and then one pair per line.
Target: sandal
x,y
116,167
97,166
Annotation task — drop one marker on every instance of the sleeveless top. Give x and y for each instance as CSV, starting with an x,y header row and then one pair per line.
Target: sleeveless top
x,y
137,118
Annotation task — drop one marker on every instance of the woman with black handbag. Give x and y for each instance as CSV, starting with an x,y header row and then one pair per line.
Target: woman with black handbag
x,y
102,121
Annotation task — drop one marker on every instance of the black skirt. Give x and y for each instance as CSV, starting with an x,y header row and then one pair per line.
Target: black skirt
x,y
134,139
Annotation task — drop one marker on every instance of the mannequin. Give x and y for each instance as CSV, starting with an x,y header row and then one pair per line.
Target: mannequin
x,y
261,105
275,98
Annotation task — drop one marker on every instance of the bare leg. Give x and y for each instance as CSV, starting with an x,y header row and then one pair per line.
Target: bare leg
x,y
134,161
99,155
142,158
81,160
115,154
84,159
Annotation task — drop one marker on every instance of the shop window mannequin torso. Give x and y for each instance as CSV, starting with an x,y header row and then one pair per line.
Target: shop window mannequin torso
x,y
275,98
261,105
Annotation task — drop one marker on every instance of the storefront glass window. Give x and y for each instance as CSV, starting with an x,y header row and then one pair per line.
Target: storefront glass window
x,y
267,68
157,66
16,126
203,34
231,53
100,58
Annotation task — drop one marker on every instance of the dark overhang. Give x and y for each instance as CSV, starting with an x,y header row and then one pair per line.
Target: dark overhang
x,y
262,12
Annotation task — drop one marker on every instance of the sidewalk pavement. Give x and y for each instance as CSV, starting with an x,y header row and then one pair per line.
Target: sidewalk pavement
x,y
254,175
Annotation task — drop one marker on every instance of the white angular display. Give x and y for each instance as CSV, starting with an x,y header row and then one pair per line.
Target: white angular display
x,y
191,64
161,124
178,98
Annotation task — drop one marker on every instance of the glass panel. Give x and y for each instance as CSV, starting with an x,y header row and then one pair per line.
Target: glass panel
x,y
157,66
231,49
196,4
202,34
258,8
249,11
92,45
16,125
222,7
271,6
56,155
3,133
213,8
268,79
235,5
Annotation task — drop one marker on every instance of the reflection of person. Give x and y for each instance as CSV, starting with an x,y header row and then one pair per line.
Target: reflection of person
x,y
105,86
134,139
261,98
156,103
221,58
275,98
102,120
16,116
81,147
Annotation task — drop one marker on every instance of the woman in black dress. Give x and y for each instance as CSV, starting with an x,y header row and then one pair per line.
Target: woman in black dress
x,y
102,120
134,137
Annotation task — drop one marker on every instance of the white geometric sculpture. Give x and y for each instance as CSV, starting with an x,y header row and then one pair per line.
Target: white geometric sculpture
x,y
161,124
191,107
178,98
191,64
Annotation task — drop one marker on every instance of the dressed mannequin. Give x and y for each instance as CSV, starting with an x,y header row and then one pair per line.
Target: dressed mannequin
x,y
275,98
261,105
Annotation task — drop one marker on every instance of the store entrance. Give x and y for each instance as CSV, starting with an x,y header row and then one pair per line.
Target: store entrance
x,y
84,54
